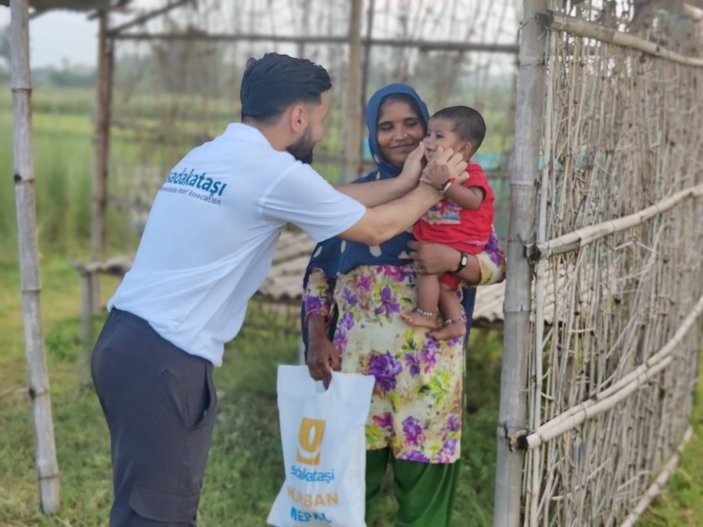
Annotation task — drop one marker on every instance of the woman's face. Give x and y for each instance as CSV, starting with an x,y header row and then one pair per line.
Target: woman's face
x,y
398,132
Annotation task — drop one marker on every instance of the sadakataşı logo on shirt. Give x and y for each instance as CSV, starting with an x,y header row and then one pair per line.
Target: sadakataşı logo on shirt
x,y
186,178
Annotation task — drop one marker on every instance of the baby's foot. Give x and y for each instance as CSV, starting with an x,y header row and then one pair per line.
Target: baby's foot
x,y
421,319
452,329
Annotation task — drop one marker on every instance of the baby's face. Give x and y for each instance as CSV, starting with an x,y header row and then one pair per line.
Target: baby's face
x,y
440,133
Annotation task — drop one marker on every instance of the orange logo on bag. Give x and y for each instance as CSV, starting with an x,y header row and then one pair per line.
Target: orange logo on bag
x,y
309,441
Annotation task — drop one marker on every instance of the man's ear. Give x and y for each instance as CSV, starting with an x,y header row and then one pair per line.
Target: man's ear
x,y
298,118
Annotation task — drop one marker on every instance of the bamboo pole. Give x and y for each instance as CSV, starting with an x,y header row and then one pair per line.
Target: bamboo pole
x,y
354,118
45,451
582,28
446,45
525,167
102,151
534,484
142,19
619,391
370,11
581,237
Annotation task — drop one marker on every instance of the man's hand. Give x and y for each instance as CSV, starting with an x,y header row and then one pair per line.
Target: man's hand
x,y
433,258
414,163
444,166
322,357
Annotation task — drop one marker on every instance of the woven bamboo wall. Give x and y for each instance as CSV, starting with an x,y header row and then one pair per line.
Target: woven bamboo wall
x,y
622,133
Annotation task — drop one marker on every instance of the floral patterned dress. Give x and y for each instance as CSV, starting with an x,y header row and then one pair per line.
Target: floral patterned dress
x,y
416,406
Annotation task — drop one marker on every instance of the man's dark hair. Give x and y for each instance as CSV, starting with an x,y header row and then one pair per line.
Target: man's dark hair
x,y
468,123
275,81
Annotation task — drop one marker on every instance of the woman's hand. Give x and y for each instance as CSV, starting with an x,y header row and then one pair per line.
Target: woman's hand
x,y
444,166
433,258
322,357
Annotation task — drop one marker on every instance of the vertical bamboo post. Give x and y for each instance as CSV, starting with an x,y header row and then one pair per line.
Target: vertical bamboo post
x,y
102,146
367,51
45,452
524,173
87,310
352,154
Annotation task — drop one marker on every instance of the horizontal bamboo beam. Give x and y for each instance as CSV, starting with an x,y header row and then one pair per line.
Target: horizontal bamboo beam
x,y
582,28
619,391
656,488
200,138
147,16
443,45
573,241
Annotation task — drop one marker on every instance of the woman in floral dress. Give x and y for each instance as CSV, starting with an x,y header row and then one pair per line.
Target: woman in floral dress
x,y
354,295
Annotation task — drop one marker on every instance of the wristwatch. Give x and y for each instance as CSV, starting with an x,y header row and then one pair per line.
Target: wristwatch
x,y
462,261
445,186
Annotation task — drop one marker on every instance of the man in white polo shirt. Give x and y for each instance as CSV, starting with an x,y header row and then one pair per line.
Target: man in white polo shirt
x,y
206,248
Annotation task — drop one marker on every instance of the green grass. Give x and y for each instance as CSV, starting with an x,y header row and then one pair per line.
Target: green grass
x,y
245,470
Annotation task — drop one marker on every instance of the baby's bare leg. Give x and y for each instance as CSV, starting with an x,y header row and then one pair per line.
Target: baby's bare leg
x,y
428,293
454,319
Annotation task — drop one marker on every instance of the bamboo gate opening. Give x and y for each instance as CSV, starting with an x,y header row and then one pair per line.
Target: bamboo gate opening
x,y
168,79
605,242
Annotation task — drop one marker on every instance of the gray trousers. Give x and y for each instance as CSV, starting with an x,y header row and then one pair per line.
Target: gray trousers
x,y
160,405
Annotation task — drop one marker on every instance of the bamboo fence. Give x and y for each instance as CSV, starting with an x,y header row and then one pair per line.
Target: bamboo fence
x,y
187,58
610,380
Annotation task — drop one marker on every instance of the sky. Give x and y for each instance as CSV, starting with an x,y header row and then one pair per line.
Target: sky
x,y
59,36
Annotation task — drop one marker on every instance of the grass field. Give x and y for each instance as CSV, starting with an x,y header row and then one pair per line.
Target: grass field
x,y
245,469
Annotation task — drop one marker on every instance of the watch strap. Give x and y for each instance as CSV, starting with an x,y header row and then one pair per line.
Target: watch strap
x,y
463,261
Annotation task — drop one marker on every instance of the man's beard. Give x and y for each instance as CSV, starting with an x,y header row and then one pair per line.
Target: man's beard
x,y
303,147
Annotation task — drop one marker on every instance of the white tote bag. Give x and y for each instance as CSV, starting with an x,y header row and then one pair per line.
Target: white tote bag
x,y
324,449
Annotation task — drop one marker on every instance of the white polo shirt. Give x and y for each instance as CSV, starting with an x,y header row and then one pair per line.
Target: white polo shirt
x,y
211,233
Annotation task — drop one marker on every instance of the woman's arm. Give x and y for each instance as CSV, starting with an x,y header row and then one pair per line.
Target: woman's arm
x,y
318,304
436,258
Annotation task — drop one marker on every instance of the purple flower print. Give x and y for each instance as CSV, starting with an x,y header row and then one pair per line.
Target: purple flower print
x,y
384,422
340,341
347,320
385,369
397,272
364,283
349,296
431,345
428,359
415,455
413,431
412,364
389,303
449,447
453,424
312,302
